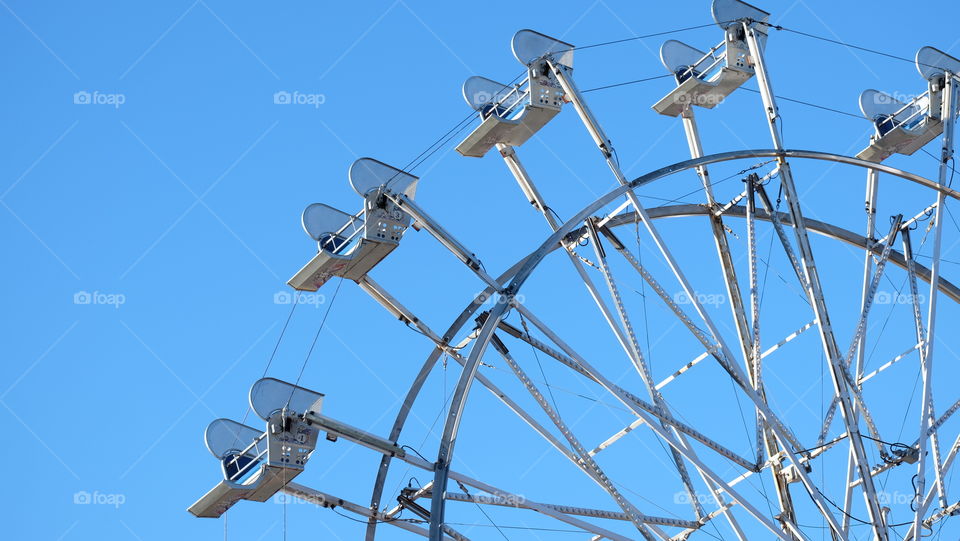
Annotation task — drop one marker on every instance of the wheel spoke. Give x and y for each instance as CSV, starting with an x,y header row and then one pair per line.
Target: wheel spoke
x,y
585,460
815,294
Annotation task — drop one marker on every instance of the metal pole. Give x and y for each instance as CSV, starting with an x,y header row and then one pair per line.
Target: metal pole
x,y
588,463
606,148
382,296
631,347
719,235
749,346
872,189
451,427
949,106
659,430
815,293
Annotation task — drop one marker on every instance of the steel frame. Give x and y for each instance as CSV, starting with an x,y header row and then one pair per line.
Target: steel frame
x,y
526,266
778,449
556,240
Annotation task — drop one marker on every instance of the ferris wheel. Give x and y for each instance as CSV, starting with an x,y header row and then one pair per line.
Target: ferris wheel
x,y
670,472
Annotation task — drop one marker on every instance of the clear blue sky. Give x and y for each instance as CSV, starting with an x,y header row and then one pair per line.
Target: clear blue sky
x,y
151,192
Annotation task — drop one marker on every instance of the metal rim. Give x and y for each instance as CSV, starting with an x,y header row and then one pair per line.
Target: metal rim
x,y
518,273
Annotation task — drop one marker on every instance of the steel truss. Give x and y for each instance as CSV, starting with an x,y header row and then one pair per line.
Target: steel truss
x,y
694,452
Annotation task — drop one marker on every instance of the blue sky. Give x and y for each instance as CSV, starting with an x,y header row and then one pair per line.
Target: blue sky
x,y
151,195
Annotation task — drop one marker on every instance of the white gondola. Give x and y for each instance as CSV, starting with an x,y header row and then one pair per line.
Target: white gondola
x,y
707,78
238,447
932,63
325,224
269,396
901,128
511,115
350,245
258,464
905,127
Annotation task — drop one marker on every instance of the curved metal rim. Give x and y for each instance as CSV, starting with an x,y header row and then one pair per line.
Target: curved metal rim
x,y
534,259
520,272
821,228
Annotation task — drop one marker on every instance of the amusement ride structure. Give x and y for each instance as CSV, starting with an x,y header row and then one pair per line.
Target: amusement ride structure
x,y
856,443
